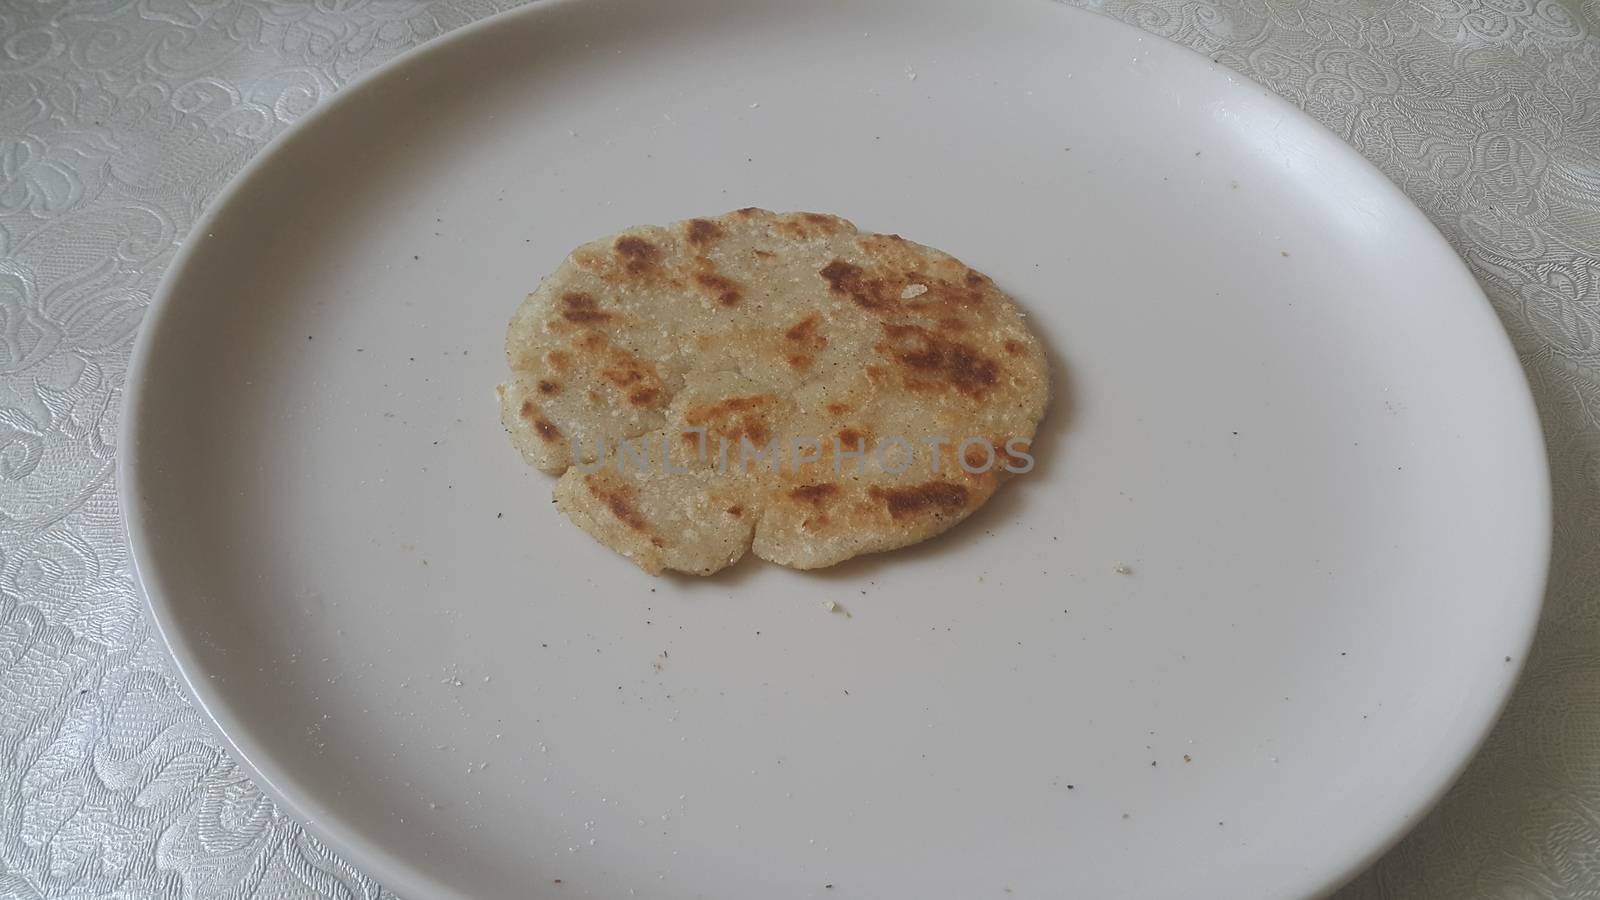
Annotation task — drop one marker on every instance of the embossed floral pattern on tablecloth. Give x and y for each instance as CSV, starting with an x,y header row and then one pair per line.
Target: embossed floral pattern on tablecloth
x,y
120,120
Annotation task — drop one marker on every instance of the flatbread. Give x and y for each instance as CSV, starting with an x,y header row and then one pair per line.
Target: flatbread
x,y
757,329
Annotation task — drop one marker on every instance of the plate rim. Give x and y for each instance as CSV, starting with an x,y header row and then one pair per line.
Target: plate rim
x,y
399,874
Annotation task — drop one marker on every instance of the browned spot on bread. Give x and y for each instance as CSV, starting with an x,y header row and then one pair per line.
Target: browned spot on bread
x,y
637,254
559,360
736,510
937,496
944,299
582,308
977,459
940,284
546,430
620,499
549,387
798,361
625,370
885,294
720,288
805,333
749,211
848,280
809,225
526,409
763,254
837,409
1013,347
702,232
621,369
814,494
739,404
1005,457
588,260
891,249
623,375
852,438
734,418
947,362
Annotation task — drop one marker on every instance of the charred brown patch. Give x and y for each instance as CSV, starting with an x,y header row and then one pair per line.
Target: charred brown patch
x,y
901,276
621,500
977,459
803,329
837,409
588,260
1013,347
526,409
748,211
739,404
939,497
852,438
1015,460
814,494
808,225
929,356
805,333
559,360
549,388
736,510
891,249
637,254
798,361
622,369
582,309
734,418
848,280
702,232
546,430
623,375
725,291
876,294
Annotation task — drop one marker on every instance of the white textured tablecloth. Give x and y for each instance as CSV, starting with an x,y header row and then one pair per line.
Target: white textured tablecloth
x,y
120,120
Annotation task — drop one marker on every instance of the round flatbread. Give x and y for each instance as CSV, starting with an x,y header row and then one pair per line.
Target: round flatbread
x,y
776,382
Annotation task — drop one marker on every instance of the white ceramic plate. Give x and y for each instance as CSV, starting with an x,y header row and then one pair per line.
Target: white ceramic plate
x,y
1282,402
